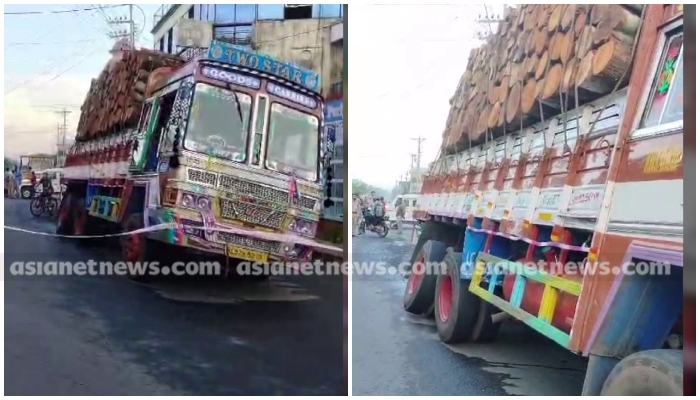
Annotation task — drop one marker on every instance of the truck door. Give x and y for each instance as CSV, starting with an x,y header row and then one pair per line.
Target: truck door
x,y
146,130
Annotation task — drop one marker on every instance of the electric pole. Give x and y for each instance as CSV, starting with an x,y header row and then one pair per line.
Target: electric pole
x,y
420,141
124,34
62,131
487,20
63,128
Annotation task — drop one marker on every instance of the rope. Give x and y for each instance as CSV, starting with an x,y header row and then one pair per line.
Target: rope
x,y
280,237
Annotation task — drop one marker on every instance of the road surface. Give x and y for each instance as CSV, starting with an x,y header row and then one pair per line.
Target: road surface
x,y
395,353
104,335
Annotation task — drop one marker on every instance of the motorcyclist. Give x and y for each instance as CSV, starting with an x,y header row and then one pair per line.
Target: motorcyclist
x,y
378,210
46,185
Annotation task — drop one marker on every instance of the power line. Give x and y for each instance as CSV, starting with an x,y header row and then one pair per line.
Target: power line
x,y
61,11
44,43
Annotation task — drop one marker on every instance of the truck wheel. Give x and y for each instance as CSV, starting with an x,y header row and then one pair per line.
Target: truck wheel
x,y
81,221
460,315
647,373
64,222
420,287
136,248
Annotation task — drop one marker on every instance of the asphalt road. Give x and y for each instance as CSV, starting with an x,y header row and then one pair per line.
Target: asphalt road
x,y
395,353
104,335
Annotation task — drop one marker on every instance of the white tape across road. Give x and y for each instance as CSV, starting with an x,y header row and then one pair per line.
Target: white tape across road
x,y
279,237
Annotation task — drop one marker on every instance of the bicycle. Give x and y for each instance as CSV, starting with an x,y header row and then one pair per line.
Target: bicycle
x,y
43,204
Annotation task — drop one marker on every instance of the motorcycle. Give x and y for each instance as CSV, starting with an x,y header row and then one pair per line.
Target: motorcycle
x,y
380,228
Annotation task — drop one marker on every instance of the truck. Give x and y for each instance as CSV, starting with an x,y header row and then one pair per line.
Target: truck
x,y
565,215
222,153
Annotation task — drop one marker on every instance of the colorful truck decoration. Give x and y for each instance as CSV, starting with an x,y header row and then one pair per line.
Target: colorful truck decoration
x,y
225,156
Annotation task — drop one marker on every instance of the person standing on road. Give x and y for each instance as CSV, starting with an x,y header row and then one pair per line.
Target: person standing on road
x,y
400,215
33,177
9,182
18,180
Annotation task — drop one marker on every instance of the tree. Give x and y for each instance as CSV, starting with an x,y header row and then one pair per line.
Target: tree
x,y
362,188
9,163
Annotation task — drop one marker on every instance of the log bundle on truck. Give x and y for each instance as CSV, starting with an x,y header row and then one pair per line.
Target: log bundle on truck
x,y
542,60
556,199
116,97
219,153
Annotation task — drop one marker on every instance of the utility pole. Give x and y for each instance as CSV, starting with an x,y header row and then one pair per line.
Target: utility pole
x,y
420,141
63,128
123,34
61,136
487,20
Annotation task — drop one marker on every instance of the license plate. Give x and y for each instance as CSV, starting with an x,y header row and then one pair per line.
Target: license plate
x,y
245,254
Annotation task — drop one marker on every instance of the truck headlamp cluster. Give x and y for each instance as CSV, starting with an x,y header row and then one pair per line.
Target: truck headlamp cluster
x,y
199,203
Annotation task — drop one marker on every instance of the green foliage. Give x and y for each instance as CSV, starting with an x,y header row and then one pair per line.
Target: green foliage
x,y
9,163
362,188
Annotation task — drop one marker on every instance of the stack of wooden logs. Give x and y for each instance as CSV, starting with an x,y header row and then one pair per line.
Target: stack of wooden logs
x,y
114,100
537,62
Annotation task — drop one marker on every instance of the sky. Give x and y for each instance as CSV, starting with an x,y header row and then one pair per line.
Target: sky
x,y
404,64
50,59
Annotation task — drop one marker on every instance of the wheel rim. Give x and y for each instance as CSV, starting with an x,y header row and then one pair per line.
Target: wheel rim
x,y
132,247
416,276
445,298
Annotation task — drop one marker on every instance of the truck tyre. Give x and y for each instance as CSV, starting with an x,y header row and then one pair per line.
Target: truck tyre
x,y
647,373
136,247
460,315
420,287
81,221
64,222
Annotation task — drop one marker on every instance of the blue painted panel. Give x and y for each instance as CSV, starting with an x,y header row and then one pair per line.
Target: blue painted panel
x,y
473,243
238,55
641,315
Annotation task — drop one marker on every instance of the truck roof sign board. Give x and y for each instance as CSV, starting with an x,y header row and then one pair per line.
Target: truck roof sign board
x,y
238,55
291,95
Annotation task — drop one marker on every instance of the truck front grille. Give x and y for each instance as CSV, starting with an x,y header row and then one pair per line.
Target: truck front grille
x,y
200,176
251,213
251,189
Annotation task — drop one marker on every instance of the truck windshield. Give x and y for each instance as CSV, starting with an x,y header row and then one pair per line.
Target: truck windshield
x,y
292,142
215,126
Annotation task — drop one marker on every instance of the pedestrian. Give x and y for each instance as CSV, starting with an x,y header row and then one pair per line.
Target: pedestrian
x,y
400,215
33,178
356,214
18,180
9,178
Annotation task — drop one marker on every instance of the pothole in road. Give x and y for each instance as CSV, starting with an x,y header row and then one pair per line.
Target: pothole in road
x,y
233,293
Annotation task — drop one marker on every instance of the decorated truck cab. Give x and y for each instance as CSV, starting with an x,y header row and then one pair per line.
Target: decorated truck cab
x,y
223,154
